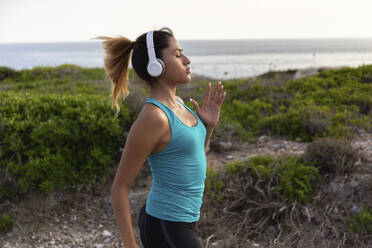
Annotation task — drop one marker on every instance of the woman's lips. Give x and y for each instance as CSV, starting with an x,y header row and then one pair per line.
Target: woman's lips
x,y
188,70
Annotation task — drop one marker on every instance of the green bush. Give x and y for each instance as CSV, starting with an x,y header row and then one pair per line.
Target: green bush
x,y
297,181
334,103
260,176
361,223
50,141
214,184
6,223
63,79
331,155
6,72
248,197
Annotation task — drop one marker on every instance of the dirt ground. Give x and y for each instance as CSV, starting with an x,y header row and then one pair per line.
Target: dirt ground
x,y
85,218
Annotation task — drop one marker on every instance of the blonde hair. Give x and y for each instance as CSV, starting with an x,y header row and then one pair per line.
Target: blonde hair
x,y
116,63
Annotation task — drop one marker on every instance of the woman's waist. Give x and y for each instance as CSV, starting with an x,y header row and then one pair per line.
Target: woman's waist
x,y
186,225
174,207
169,188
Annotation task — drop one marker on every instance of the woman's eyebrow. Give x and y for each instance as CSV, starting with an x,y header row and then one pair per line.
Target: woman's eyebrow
x,y
178,49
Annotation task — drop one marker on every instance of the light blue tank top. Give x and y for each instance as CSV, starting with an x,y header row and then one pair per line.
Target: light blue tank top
x,y
178,171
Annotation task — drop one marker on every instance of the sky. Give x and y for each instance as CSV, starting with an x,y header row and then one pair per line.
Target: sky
x,y
81,20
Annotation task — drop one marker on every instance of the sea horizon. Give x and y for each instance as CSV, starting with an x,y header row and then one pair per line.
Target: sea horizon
x,y
216,58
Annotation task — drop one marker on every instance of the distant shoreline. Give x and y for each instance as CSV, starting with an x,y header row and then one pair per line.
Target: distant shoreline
x,y
219,59
297,72
293,72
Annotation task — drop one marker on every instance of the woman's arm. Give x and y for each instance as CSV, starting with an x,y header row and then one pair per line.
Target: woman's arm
x,y
141,141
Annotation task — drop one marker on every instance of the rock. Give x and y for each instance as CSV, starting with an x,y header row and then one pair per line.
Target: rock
x,y
262,138
229,157
106,233
355,209
336,210
282,146
225,145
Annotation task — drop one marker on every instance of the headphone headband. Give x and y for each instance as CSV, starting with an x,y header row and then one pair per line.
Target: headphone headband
x,y
155,67
150,45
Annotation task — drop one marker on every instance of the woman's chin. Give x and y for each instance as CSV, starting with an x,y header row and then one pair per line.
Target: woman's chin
x,y
188,78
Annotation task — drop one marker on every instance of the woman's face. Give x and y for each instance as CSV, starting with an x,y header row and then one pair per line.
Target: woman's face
x,y
176,64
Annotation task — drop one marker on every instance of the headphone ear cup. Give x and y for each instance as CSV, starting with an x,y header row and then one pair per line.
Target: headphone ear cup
x,y
162,66
155,68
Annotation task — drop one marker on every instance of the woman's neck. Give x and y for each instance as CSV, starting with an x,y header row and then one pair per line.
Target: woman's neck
x,y
165,94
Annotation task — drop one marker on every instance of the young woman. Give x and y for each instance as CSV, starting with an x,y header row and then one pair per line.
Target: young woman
x,y
168,134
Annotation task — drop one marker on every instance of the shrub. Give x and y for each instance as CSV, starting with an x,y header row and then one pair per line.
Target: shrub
x,y
8,186
287,175
367,79
63,79
6,72
331,155
214,184
361,223
6,223
333,103
248,196
297,181
55,141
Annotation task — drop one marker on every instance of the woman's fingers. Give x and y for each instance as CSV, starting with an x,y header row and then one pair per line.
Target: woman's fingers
x,y
218,85
220,91
217,94
207,94
220,97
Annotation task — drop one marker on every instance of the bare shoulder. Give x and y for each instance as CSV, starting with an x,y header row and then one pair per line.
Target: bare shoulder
x,y
152,118
150,127
179,98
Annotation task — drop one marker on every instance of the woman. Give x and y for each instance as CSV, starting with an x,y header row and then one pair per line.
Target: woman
x,y
168,134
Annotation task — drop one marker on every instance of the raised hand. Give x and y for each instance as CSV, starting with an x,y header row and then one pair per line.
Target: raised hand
x,y
209,113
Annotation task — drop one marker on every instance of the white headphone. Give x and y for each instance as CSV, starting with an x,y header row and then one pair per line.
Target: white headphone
x,y
156,66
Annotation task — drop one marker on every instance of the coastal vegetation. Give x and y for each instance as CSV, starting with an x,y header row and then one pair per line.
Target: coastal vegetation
x,y
58,131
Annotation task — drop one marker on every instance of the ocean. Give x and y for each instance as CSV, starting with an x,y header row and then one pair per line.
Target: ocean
x,y
220,59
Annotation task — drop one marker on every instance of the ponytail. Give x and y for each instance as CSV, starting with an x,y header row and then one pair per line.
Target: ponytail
x,y
118,52
116,63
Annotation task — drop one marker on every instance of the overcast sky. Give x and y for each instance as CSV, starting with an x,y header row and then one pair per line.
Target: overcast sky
x,y
80,20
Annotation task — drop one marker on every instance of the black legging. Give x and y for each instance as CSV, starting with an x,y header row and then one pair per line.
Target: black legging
x,y
157,233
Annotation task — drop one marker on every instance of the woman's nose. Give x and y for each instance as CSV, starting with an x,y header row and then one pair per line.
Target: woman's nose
x,y
187,61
